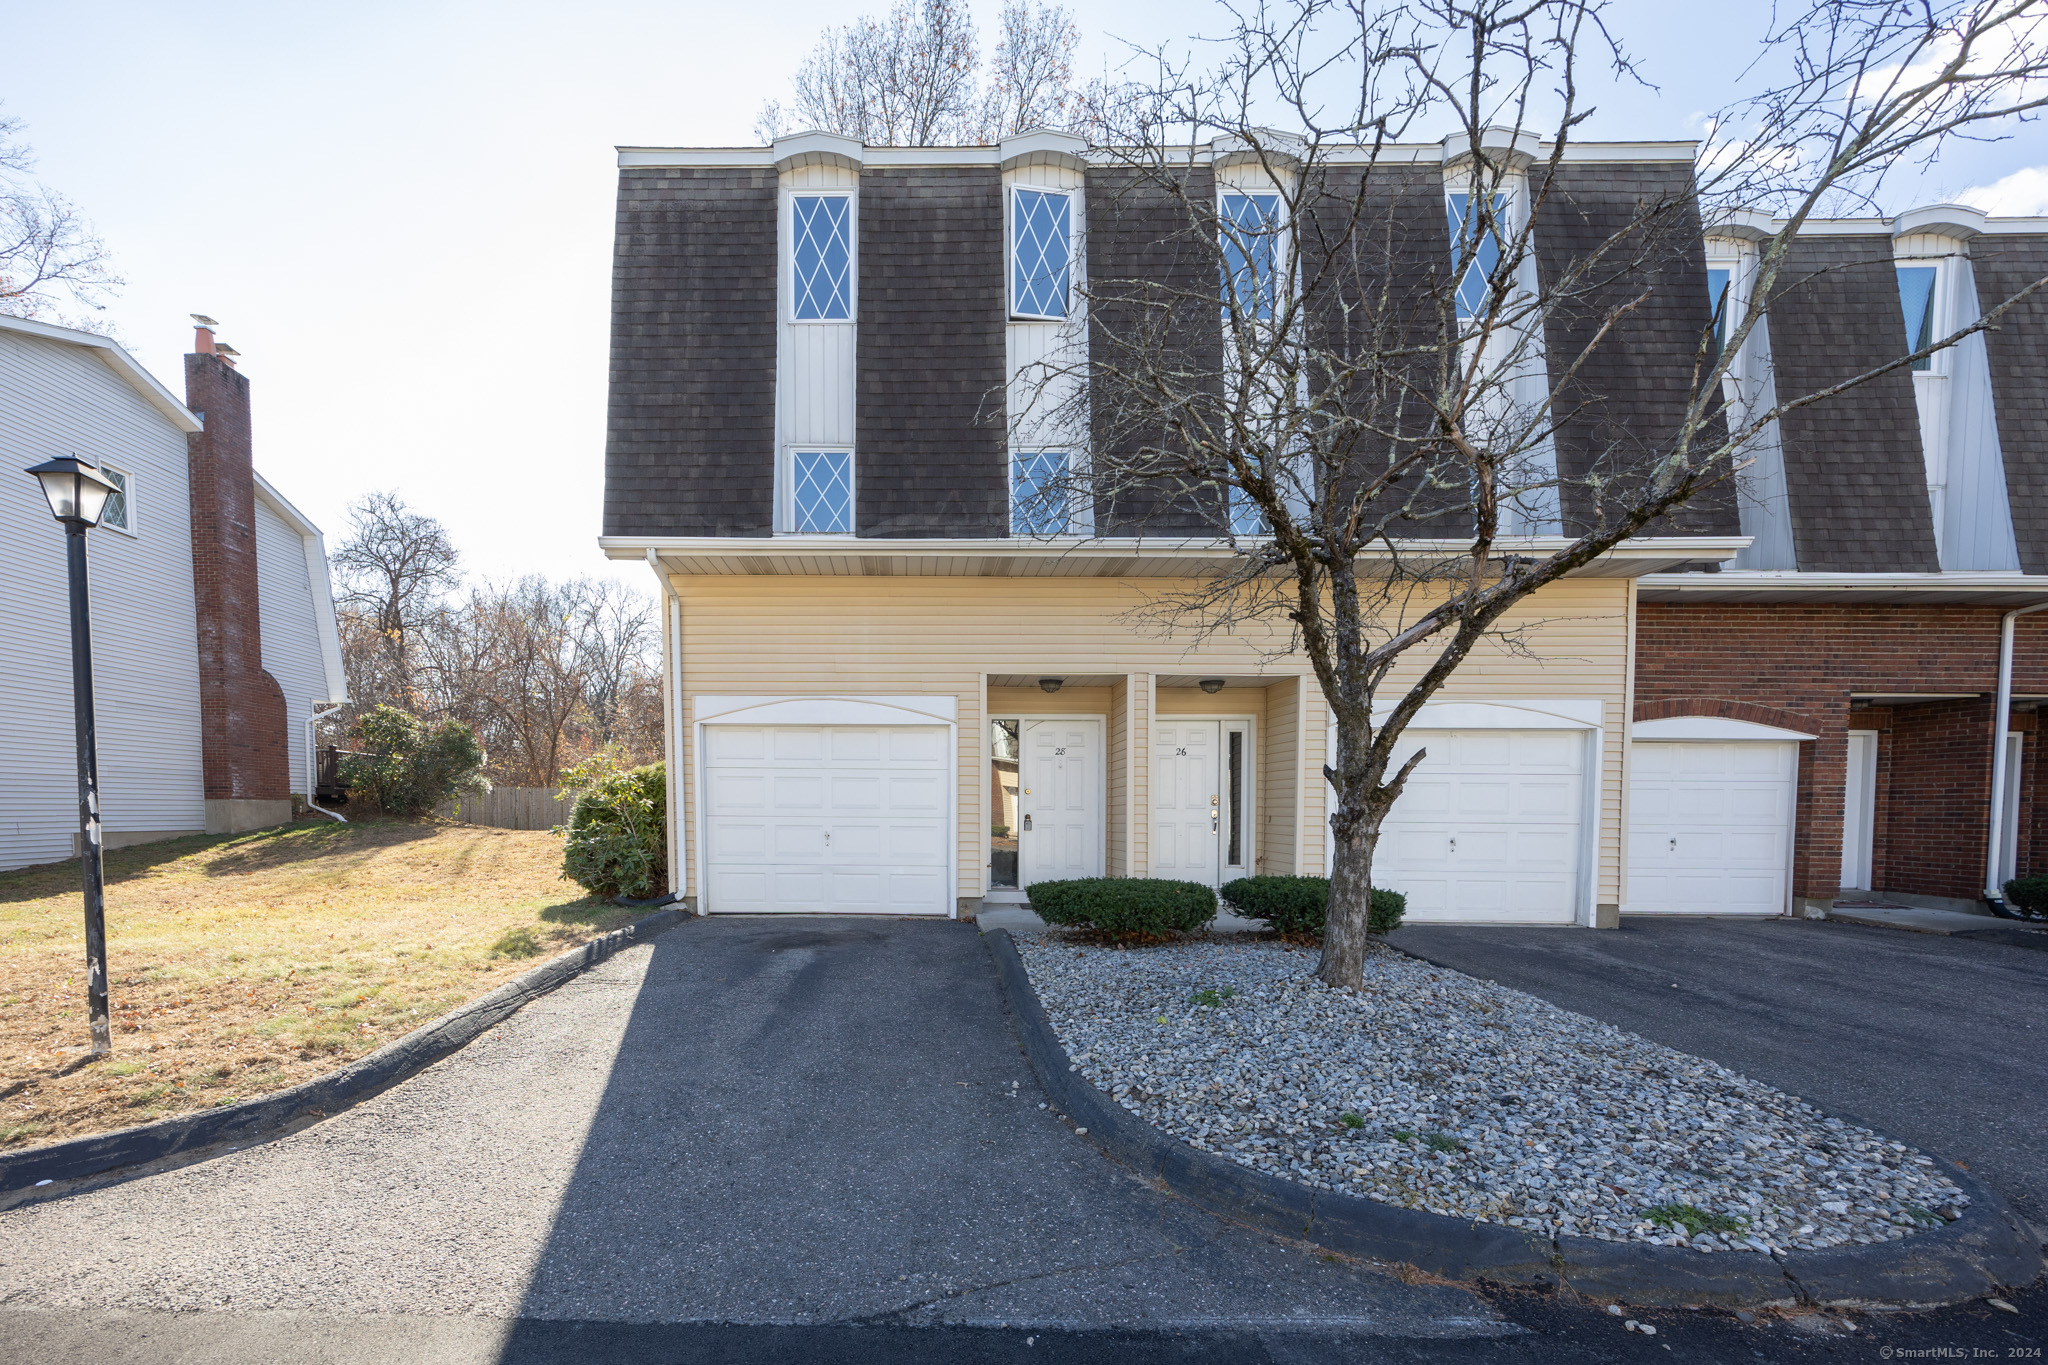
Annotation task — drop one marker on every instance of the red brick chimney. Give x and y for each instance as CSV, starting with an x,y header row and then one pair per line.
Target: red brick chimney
x,y
243,720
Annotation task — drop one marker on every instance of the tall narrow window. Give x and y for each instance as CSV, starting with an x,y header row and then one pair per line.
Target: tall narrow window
x,y
1246,519
1038,493
1235,790
118,513
1721,301
1916,300
1251,253
1475,244
821,492
1041,253
821,252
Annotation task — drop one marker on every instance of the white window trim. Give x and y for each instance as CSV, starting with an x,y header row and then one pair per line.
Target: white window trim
x,y
1010,253
1285,286
1515,185
789,286
127,502
786,478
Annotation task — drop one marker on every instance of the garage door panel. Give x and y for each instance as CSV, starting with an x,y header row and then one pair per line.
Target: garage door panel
x,y
1710,826
827,819
1513,802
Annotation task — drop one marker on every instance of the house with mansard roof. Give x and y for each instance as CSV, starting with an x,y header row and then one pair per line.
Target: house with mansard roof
x,y
892,686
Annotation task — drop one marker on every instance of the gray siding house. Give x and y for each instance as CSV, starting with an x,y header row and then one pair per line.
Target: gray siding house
x,y
65,392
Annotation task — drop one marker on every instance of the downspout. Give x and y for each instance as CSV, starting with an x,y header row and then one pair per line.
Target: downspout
x,y
671,710
1994,892
313,762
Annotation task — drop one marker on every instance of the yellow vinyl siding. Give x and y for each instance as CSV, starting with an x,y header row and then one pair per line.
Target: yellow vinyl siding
x,y
780,635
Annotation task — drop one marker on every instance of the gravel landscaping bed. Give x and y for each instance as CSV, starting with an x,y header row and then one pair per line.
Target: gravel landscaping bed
x,y
1433,1090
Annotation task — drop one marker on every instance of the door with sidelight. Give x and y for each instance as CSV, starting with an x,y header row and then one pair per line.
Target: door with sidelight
x,y
1201,800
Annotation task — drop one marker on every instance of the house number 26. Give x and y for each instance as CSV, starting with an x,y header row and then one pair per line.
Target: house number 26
x,y
1060,751
1180,753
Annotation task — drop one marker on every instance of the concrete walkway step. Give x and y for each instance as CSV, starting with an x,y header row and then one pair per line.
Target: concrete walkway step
x,y
1949,923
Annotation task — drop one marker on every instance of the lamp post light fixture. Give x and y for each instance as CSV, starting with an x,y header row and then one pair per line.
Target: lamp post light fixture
x,y
77,493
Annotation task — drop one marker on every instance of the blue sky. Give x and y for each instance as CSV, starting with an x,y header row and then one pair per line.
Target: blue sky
x,y
401,213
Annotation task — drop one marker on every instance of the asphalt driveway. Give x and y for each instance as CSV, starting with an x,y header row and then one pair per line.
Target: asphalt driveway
x,y
795,1122
1940,1041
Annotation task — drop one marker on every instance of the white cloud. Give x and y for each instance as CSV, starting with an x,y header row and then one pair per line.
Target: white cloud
x,y
2022,194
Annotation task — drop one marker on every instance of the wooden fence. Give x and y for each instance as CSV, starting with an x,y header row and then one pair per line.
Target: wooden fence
x,y
511,808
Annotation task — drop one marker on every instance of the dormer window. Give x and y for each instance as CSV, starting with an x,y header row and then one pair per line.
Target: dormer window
x,y
1916,301
1251,253
1041,253
1475,244
821,257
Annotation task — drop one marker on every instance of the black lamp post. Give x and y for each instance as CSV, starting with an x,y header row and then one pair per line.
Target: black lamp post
x,y
78,495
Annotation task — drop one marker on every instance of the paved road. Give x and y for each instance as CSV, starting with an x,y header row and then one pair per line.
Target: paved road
x,y
1942,1042
811,1122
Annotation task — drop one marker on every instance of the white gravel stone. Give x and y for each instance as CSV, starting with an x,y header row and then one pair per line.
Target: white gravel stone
x,y
1433,1090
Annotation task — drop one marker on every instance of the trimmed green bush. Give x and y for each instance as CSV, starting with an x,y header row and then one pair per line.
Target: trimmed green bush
x,y
2029,895
409,767
618,831
1299,905
1124,905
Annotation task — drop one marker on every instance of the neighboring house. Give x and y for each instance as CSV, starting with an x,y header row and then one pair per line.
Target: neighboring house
x,y
213,628
868,644
1817,718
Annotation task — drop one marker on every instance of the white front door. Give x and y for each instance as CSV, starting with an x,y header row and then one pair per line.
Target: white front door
x,y
1859,810
1060,800
1187,796
827,819
1710,826
1489,828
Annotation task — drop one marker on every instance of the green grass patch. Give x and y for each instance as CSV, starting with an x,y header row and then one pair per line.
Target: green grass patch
x,y
1211,999
1350,1120
518,941
1694,1219
1444,1142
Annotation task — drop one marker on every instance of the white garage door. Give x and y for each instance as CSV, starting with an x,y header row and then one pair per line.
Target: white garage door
x,y
1710,827
1489,828
827,819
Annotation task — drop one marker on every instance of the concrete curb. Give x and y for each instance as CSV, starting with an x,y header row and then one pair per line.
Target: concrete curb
x,y
1988,1247
194,1137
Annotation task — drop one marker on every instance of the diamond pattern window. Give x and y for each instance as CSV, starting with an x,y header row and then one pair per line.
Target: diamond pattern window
x,y
1038,502
1245,517
1251,253
821,492
117,513
1916,299
1041,237
1478,245
821,232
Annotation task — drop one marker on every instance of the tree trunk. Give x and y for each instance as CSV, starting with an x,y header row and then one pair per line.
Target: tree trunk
x,y
1346,931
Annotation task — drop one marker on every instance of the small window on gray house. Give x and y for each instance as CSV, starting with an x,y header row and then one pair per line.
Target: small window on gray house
x,y
821,492
1041,253
1719,299
120,509
1916,300
1039,493
1475,244
821,250
1251,254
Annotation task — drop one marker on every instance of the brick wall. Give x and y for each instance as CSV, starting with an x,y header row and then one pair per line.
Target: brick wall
x,y
243,724
1796,666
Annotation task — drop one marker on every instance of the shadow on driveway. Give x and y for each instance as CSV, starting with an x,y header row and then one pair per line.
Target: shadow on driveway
x,y
829,1121
1942,1042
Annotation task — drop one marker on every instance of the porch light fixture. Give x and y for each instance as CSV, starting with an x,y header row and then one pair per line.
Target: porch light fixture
x,y
1050,684
1211,685
77,493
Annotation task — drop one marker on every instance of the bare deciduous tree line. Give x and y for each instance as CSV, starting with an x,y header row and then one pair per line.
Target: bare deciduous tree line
x,y
546,673
49,253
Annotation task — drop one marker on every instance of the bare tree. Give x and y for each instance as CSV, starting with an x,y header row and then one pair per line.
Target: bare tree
x,y
1377,407
48,252
911,79
395,566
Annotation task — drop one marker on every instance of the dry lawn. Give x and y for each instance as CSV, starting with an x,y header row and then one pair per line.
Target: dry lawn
x,y
244,964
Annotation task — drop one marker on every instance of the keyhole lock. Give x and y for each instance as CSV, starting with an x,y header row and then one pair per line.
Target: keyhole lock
x,y
1454,843
1027,822
1674,844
